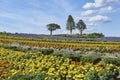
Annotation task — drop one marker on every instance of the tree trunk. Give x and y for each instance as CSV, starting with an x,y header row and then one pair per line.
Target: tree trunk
x,y
80,32
70,31
51,33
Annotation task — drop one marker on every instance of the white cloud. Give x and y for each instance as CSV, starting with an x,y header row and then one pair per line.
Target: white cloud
x,y
89,5
99,3
17,22
90,25
106,9
99,18
88,12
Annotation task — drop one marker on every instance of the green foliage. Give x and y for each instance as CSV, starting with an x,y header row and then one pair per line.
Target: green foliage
x,y
81,26
52,26
2,32
84,58
70,24
27,56
92,75
95,35
108,74
29,76
92,59
47,51
75,57
91,35
115,61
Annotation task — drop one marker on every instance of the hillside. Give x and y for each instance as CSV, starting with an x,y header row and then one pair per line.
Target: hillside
x,y
59,37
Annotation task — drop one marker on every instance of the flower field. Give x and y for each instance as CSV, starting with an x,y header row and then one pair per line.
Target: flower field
x,y
19,62
38,43
60,44
16,65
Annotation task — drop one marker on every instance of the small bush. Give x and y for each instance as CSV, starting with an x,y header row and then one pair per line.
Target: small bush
x,y
29,76
92,75
108,74
75,57
95,35
92,59
47,51
115,61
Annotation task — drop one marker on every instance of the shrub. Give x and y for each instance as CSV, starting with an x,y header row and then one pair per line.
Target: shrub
x,y
115,61
92,59
75,57
95,35
29,76
47,51
108,74
92,75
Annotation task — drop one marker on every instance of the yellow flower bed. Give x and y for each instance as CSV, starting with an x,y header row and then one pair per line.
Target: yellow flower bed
x,y
13,62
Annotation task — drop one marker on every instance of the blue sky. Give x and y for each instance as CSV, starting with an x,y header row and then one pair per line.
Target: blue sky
x,y
32,16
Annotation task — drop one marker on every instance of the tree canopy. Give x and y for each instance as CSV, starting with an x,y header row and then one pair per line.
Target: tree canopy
x,y
52,27
70,24
81,26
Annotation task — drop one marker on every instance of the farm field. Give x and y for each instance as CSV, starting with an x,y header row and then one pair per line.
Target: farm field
x,y
59,40
59,44
32,59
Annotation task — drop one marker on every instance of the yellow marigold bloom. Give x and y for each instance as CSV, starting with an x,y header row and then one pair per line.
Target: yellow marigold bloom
x,y
46,78
51,69
74,72
79,76
9,77
92,68
51,74
111,65
69,76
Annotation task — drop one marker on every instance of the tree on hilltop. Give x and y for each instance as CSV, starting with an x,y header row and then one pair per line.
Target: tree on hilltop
x,y
52,27
70,24
81,26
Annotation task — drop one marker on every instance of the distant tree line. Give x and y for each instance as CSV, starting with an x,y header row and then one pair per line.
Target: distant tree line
x,y
95,35
70,25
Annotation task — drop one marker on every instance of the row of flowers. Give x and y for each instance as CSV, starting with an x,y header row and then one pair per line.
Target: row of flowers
x,y
51,67
75,45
